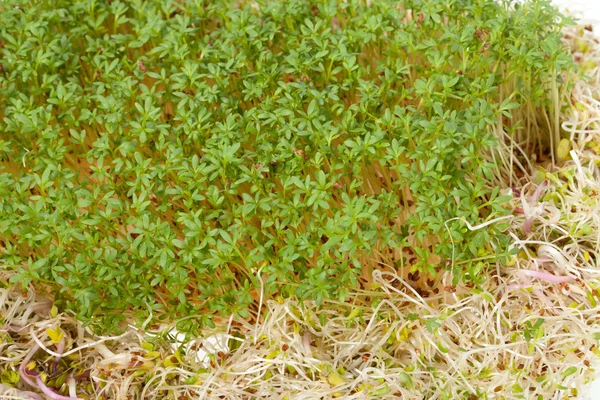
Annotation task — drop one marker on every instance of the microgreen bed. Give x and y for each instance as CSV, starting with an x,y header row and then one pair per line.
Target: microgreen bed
x,y
387,199
168,156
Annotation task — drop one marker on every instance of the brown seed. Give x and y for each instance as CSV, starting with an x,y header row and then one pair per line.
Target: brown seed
x,y
299,152
366,357
141,66
414,276
335,23
336,186
285,347
589,28
315,10
481,34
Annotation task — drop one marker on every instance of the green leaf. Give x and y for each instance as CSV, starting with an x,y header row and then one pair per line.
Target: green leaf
x,y
569,371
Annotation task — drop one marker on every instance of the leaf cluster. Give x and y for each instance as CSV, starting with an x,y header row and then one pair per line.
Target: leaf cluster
x,y
178,156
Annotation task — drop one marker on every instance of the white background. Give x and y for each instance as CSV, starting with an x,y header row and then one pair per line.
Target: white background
x,y
587,10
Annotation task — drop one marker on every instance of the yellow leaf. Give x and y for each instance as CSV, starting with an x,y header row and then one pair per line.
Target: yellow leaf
x,y
54,311
147,365
539,176
147,346
335,379
588,65
404,334
511,261
152,354
354,313
56,335
582,45
563,149
170,361
178,356
10,377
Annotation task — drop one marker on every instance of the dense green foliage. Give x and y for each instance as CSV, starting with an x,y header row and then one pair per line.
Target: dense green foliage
x,y
172,154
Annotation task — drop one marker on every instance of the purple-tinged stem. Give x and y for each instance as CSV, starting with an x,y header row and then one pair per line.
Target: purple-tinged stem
x,y
546,276
23,366
60,347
